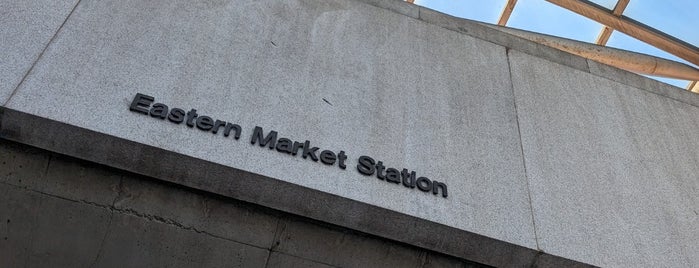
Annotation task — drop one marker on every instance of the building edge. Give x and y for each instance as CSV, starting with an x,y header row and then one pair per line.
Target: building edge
x,y
268,192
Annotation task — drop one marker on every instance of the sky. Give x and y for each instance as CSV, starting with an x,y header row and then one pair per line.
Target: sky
x,y
674,17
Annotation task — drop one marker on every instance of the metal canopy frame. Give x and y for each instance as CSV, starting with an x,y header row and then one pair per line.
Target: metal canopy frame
x,y
506,12
613,20
632,28
606,32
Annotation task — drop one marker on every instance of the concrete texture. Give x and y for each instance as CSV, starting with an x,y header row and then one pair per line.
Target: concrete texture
x,y
77,181
608,175
282,260
197,212
26,27
481,31
21,166
340,249
40,230
612,169
280,195
17,214
642,82
301,66
153,223
52,174
135,242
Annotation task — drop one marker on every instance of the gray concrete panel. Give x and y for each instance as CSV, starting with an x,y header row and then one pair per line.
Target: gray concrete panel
x,y
22,166
277,259
341,249
146,199
26,27
213,216
432,260
80,181
280,195
612,169
139,242
481,31
398,6
75,242
45,231
342,74
54,175
17,214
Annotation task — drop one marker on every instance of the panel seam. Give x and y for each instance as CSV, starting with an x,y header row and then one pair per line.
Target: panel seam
x,y
521,147
41,54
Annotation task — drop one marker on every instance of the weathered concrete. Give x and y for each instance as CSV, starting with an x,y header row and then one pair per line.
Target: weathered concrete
x,y
40,230
424,108
280,195
51,174
282,260
482,32
154,223
26,27
340,249
610,156
214,215
134,241
16,216
612,169
642,82
21,166
79,181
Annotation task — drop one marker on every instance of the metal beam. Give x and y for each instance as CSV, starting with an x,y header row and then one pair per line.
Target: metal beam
x,y
627,60
632,28
606,32
506,12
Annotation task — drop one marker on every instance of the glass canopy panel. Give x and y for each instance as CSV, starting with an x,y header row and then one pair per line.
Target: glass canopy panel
x,y
623,41
674,17
543,17
608,4
485,11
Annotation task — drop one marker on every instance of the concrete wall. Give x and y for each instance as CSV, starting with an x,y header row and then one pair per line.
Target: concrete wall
x,y
27,28
62,212
550,159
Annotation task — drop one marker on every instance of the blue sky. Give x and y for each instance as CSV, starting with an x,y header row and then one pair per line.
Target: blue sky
x,y
674,17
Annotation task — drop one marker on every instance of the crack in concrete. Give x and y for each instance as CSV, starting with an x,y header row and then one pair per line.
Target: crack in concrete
x,y
163,220
104,238
132,212
535,261
46,170
424,259
109,225
276,240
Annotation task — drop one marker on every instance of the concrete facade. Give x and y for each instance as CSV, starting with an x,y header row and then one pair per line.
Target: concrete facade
x,y
627,179
550,160
27,29
62,212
